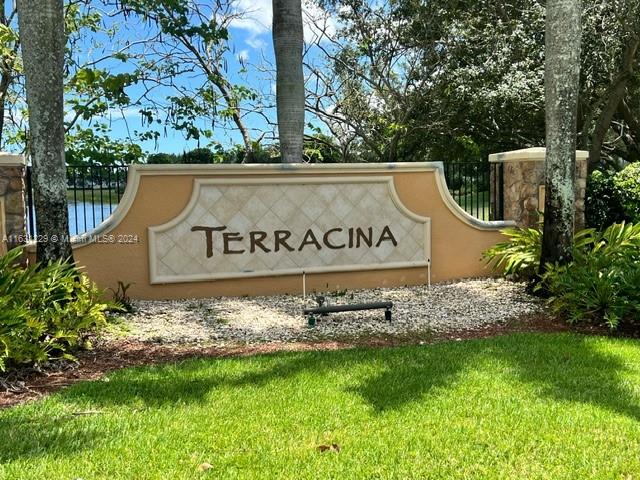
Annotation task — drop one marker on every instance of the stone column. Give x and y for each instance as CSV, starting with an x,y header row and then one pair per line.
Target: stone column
x,y
12,201
523,184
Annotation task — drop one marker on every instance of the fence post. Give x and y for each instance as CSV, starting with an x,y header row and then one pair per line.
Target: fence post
x,y
12,208
523,184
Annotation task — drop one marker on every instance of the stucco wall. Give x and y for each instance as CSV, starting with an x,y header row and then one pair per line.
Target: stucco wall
x,y
157,194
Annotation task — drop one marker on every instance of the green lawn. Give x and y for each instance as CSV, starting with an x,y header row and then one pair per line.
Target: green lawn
x,y
475,204
520,406
93,195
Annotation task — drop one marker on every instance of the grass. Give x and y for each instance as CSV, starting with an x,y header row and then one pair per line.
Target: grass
x,y
477,204
93,195
520,406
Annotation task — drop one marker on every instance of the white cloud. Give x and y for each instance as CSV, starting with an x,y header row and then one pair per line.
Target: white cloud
x,y
256,43
257,16
317,23
243,56
126,112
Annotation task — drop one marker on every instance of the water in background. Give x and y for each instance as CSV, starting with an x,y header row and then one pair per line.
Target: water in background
x,y
85,216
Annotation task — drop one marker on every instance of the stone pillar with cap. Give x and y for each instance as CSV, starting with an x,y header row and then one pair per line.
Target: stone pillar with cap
x,y
523,184
12,201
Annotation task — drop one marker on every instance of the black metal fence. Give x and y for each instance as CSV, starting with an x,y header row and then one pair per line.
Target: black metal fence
x,y
477,188
93,192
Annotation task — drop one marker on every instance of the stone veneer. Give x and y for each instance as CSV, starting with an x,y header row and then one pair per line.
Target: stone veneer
x,y
523,175
12,191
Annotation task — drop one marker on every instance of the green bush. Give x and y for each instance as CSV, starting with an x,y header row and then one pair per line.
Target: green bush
x,y
519,256
613,198
627,183
602,203
45,311
599,285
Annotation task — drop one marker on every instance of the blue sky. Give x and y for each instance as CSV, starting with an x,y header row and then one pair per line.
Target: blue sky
x,y
251,42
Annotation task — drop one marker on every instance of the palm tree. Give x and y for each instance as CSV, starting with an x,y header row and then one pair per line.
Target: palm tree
x,y
288,41
41,25
562,74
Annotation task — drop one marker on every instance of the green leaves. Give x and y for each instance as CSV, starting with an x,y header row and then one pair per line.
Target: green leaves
x,y
601,283
45,311
520,255
627,183
94,144
176,18
613,197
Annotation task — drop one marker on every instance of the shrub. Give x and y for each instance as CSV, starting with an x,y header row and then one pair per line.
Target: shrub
x,y
613,198
601,283
45,310
627,183
602,203
519,256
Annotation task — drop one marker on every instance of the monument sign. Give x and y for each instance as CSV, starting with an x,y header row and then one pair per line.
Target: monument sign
x,y
234,228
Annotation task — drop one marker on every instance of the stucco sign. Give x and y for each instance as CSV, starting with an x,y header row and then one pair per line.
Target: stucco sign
x,y
233,228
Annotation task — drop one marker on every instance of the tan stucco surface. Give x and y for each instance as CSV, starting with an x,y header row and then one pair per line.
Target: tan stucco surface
x,y
456,240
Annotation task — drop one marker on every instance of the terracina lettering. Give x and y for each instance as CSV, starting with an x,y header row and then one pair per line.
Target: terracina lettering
x,y
234,243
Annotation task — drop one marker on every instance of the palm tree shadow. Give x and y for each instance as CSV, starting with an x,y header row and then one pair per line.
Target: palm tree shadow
x,y
35,437
579,370
564,367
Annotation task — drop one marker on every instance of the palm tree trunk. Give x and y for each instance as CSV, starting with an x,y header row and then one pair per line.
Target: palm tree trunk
x,y
42,37
562,72
288,41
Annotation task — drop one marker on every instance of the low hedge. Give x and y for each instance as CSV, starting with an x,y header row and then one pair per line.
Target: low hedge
x,y
613,198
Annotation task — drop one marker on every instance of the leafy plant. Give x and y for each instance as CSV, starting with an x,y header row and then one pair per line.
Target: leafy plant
x,y
613,198
45,310
602,202
121,297
601,283
519,256
627,183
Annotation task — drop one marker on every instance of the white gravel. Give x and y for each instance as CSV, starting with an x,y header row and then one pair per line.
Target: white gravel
x,y
417,311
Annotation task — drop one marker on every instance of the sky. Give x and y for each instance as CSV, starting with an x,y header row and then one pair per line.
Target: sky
x,y
250,62
250,45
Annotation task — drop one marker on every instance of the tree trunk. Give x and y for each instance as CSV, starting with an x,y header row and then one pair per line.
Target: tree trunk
x,y
288,42
562,74
43,42
632,123
616,95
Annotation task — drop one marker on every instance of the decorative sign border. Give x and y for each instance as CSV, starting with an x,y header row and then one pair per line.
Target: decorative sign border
x,y
155,278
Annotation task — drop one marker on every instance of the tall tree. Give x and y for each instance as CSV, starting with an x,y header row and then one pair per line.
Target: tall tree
x,y
188,39
562,87
43,43
9,45
288,42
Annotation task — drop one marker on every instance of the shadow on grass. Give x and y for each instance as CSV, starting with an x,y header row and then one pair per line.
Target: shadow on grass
x,y
562,367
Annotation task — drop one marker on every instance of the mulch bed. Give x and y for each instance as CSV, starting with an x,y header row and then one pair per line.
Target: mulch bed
x,y
29,384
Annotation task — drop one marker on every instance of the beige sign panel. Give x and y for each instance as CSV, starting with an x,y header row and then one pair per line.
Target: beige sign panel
x,y
235,228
